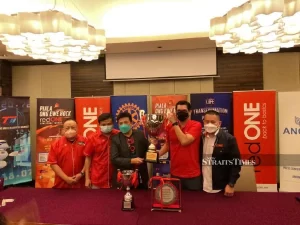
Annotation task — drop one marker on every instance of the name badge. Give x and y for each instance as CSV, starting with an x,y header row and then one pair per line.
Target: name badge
x,y
219,145
81,143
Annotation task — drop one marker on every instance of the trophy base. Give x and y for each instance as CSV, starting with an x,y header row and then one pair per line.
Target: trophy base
x,y
151,157
166,209
127,205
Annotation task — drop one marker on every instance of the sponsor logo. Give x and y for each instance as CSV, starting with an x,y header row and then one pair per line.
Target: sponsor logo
x,y
133,109
210,101
9,120
293,130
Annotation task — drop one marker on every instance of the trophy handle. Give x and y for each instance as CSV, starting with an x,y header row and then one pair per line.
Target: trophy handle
x,y
167,120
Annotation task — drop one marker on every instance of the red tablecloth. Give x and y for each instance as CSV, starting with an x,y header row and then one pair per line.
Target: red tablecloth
x,y
103,207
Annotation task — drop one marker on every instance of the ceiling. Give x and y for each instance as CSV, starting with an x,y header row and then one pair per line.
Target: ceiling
x,y
136,20
137,25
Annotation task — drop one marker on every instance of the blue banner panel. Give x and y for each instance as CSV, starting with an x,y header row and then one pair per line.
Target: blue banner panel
x,y
132,104
220,102
15,148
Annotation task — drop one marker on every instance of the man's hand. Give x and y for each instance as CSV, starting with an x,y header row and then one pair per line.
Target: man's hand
x,y
153,141
70,180
229,191
172,118
137,161
88,183
77,177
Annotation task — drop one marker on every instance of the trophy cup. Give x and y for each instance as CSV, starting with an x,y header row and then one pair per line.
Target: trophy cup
x,y
128,178
166,194
153,124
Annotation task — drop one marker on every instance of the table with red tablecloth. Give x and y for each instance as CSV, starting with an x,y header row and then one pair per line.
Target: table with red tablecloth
x,y
103,207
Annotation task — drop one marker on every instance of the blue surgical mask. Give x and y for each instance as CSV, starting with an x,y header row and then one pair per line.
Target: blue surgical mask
x,y
106,129
125,128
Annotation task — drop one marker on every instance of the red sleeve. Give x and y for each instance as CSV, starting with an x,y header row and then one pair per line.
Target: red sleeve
x,y
89,147
52,157
195,130
168,129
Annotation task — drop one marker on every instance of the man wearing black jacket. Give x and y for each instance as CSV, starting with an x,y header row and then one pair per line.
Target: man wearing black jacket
x,y
128,150
220,157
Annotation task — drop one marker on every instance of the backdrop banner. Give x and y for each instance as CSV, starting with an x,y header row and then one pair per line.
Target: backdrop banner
x,y
131,104
254,128
51,113
87,111
163,104
220,102
15,149
289,145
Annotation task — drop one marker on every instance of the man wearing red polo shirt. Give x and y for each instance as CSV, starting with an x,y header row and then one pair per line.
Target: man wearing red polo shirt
x,y
66,157
183,141
98,168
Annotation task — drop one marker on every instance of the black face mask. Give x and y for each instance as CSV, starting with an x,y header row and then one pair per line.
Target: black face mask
x,y
182,115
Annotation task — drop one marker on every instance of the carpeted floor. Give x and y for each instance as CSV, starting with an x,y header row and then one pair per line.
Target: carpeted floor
x,y
103,207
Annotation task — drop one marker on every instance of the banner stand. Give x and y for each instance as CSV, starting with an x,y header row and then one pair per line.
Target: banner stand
x,y
51,114
15,146
254,128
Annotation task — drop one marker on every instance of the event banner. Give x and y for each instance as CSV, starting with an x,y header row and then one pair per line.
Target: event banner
x,y
15,149
87,111
254,128
289,144
132,104
220,102
163,104
51,113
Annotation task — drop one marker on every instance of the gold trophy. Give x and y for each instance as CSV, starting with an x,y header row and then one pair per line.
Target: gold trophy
x,y
153,124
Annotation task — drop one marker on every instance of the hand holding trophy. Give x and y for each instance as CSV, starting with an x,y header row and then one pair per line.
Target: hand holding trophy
x,y
153,124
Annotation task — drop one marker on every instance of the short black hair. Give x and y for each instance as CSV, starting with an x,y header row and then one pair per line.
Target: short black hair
x,y
104,116
183,102
212,112
68,119
124,115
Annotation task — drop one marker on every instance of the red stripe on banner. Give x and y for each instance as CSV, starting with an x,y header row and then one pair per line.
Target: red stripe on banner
x,y
254,129
87,112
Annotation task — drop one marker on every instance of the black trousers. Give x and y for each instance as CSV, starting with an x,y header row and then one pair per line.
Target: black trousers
x,y
191,184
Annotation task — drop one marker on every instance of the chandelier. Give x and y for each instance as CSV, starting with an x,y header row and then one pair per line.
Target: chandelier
x,y
258,26
51,35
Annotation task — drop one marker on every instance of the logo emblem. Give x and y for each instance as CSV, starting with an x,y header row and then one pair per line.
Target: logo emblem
x,y
81,143
133,109
210,101
297,120
9,120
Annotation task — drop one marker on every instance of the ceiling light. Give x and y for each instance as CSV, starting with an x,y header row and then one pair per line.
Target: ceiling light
x,y
258,26
52,36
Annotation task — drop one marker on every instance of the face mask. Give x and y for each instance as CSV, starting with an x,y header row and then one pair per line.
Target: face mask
x,y
182,115
70,134
125,128
106,129
210,128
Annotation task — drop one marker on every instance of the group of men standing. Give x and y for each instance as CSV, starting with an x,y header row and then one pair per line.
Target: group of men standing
x,y
202,161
